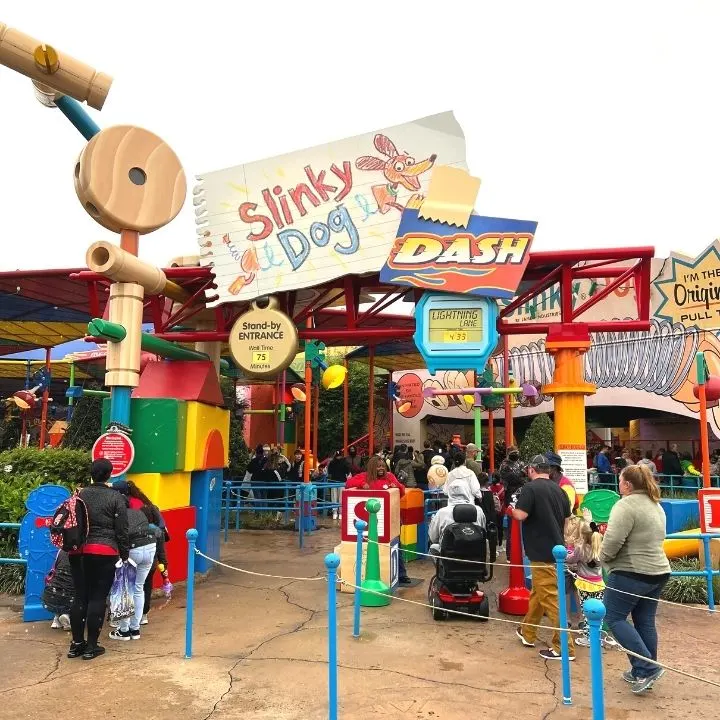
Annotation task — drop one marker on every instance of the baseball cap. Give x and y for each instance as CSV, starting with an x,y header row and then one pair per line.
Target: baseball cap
x,y
471,446
553,459
539,461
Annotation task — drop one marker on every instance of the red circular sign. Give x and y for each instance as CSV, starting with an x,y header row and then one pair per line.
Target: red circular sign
x,y
117,448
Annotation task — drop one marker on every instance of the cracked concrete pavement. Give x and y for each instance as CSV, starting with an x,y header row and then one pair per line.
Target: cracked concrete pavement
x,y
260,651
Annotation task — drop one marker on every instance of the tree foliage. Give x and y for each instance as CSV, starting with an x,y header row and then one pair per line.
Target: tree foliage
x,y
86,424
330,413
239,453
539,437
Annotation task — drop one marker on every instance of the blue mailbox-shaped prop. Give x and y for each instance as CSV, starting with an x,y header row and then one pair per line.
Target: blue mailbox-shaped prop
x,y
35,546
456,332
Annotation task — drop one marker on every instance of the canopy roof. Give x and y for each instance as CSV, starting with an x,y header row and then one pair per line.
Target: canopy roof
x,y
392,356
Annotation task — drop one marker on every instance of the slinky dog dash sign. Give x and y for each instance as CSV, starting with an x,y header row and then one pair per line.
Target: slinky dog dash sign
x,y
263,341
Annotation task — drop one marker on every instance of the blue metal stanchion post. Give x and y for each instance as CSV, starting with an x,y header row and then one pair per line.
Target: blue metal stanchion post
x,y
560,553
191,536
360,526
228,496
332,562
594,613
301,513
709,571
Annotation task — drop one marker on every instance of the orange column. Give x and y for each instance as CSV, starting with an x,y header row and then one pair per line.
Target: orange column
x,y
371,404
568,387
45,398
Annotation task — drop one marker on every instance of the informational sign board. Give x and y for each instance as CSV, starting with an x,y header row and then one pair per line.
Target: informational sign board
x,y
117,448
691,295
263,341
487,258
709,499
311,216
574,465
455,331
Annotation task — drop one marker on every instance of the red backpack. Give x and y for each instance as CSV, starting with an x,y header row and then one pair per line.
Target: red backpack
x,y
70,525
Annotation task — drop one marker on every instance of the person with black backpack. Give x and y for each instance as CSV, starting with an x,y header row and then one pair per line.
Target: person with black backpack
x,y
93,564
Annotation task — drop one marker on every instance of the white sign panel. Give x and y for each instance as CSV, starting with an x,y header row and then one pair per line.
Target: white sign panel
x,y
574,465
308,217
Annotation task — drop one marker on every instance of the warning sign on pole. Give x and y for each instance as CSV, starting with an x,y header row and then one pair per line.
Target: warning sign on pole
x,y
117,448
574,465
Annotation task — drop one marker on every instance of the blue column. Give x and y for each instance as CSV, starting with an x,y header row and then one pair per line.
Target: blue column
x,y
560,553
120,412
191,536
76,114
360,526
709,571
332,562
594,613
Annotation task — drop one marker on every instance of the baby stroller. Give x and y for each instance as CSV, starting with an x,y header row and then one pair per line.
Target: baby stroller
x,y
455,583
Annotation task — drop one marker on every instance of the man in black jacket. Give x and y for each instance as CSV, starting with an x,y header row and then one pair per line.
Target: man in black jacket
x,y
93,567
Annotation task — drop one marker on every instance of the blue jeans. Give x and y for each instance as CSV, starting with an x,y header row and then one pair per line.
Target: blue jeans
x,y
143,558
640,637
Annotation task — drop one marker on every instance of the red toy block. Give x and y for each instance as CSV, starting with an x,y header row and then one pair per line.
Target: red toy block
x,y
412,515
182,380
178,521
353,506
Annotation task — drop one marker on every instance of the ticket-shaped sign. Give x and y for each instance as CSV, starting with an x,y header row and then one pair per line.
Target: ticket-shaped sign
x,y
353,508
709,499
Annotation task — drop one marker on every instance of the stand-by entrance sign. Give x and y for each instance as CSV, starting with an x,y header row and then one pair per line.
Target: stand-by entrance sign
x,y
117,448
709,499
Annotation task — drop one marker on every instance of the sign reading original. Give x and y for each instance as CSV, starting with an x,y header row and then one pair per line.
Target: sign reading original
x,y
263,341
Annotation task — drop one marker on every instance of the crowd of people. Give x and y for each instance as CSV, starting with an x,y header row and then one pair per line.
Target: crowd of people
x,y
669,461
123,526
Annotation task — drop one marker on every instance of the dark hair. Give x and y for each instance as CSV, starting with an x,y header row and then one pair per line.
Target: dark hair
x,y
427,444
100,470
147,511
135,492
352,450
259,449
458,458
649,455
483,479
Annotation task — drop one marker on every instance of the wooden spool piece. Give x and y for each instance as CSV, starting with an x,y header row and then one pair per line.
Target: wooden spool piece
x,y
128,178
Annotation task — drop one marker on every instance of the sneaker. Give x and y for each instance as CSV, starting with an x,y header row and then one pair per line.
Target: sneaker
x,y
55,624
144,620
641,685
522,639
582,641
134,634
92,652
550,654
405,581
76,649
64,621
121,635
114,623
628,677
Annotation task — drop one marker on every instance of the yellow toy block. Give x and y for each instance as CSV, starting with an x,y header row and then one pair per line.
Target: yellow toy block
x,y
348,552
166,490
207,437
408,534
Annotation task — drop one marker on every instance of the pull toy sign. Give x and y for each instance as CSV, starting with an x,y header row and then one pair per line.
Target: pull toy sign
x,y
488,258
691,295
311,216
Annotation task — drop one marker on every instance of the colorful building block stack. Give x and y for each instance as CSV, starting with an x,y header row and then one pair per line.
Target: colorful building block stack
x,y
353,506
412,519
180,431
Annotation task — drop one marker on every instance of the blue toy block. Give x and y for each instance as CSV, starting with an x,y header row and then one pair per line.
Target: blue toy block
x,y
422,538
678,514
206,496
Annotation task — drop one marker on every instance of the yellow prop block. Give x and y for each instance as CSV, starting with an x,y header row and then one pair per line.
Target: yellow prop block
x,y
348,551
682,548
408,534
207,437
166,490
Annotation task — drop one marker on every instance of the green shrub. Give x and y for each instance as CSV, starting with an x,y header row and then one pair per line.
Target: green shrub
x,y
691,590
12,577
539,438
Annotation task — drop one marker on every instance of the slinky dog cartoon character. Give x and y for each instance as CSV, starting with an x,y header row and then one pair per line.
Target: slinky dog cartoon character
x,y
400,169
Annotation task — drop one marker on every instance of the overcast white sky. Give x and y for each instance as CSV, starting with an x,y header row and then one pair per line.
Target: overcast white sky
x,y
600,124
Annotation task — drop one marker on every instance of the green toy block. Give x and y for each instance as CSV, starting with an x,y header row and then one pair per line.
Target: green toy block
x,y
409,556
158,433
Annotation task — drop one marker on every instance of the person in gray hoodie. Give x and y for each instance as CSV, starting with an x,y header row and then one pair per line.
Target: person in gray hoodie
x,y
458,492
632,552
463,473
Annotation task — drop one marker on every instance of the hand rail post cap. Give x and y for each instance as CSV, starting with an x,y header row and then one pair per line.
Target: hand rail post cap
x,y
372,505
360,525
332,561
594,609
192,534
560,552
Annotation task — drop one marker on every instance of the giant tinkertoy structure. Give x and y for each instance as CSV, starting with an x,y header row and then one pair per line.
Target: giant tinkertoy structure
x,y
131,182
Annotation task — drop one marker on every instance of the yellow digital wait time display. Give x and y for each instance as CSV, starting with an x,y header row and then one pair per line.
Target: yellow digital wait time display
x,y
455,325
